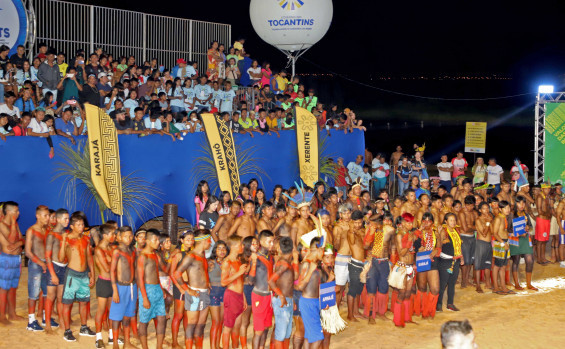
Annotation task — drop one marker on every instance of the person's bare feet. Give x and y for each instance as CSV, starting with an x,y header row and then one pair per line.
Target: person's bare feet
x,y
352,319
372,321
382,317
16,317
5,322
530,287
362,316
518,287
479,290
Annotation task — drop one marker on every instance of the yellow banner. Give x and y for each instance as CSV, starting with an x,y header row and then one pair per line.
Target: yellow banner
x,y
222,146
475,137
104,157
307,143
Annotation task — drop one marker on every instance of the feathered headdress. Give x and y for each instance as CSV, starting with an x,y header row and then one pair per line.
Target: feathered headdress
x,y
302,198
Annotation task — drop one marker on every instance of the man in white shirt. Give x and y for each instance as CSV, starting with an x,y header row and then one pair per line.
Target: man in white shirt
x,y
494,175
355,170
445,168
381,171
9,108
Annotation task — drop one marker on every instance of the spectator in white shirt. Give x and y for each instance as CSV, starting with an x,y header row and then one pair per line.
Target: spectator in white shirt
x,y
445,168
355,170
494,175
36,126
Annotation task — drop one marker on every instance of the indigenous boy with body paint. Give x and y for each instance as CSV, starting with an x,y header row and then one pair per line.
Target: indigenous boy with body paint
x,y
103,261
197,291
245,225
501,249
55,266
402,274
262,308
343,257
282,284
467,218
355,240
124,289
151,300
380,238
37,278
11,243
79,277
233,272
309,304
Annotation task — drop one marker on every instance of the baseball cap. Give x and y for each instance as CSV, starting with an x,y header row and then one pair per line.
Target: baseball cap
x,y
101,75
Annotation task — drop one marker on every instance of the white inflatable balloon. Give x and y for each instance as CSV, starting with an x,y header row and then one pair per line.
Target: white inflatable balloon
x,y
291,25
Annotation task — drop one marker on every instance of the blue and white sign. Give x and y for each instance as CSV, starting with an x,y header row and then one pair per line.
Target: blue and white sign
x,y
423,261
519,226
13,24
291,24
327,295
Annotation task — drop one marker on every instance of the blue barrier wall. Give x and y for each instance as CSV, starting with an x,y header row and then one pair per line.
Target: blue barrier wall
x,y
27,172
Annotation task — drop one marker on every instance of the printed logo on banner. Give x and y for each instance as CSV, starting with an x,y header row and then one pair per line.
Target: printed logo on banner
x,y
290,5
290,22
13,24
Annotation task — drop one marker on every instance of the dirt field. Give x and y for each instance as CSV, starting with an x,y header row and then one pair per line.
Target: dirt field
x,y
526,320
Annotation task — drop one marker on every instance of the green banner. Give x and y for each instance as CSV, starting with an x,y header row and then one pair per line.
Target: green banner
x,y
555,142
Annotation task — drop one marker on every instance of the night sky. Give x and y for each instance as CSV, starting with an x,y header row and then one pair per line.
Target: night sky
x,y
408,37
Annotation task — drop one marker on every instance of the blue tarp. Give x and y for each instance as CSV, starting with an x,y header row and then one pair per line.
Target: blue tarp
x,y
27,172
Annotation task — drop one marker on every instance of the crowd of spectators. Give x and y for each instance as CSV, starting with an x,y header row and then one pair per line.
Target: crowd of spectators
x,y
47,97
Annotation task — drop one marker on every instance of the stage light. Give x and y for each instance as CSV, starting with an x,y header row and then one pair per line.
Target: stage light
x,y
545,89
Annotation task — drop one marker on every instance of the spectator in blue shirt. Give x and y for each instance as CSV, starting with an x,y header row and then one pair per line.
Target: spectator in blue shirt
x,y
202,94
25,102
404,173
65,126
227,97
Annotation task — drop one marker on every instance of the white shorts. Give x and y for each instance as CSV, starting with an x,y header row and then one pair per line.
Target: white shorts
x,y
554,227
341,269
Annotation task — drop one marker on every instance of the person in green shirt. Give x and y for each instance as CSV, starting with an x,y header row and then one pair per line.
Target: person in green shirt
x,y
286,103
311,101
288,123
69,85
300,100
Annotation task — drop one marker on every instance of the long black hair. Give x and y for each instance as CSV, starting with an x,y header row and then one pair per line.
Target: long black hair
x,y
199,192
211,199
246,255
214,255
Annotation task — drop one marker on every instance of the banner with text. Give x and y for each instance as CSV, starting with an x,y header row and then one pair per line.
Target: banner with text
x,y
475,137
104,157
222,147
554,162
307,143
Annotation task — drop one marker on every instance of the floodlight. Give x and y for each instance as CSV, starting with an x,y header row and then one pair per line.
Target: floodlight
x,y
545,89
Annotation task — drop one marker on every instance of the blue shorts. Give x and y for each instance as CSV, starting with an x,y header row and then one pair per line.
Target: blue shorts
x,y
157,306
310,313
296,299
199,303
36,280
217,296
247,289
76,287
283,318
377,278
10,271
60,272
126,307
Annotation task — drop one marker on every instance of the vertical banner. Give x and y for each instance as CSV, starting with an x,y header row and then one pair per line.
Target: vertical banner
x,y
475,137
307,144
222,146
554,161
104,157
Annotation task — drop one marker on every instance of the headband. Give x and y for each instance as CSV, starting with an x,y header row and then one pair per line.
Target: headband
x,y
203,237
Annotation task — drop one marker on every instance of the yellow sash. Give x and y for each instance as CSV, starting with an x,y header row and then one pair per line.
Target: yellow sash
x,y
456,240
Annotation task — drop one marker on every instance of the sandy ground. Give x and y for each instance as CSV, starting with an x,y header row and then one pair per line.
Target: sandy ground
x,y
526,320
